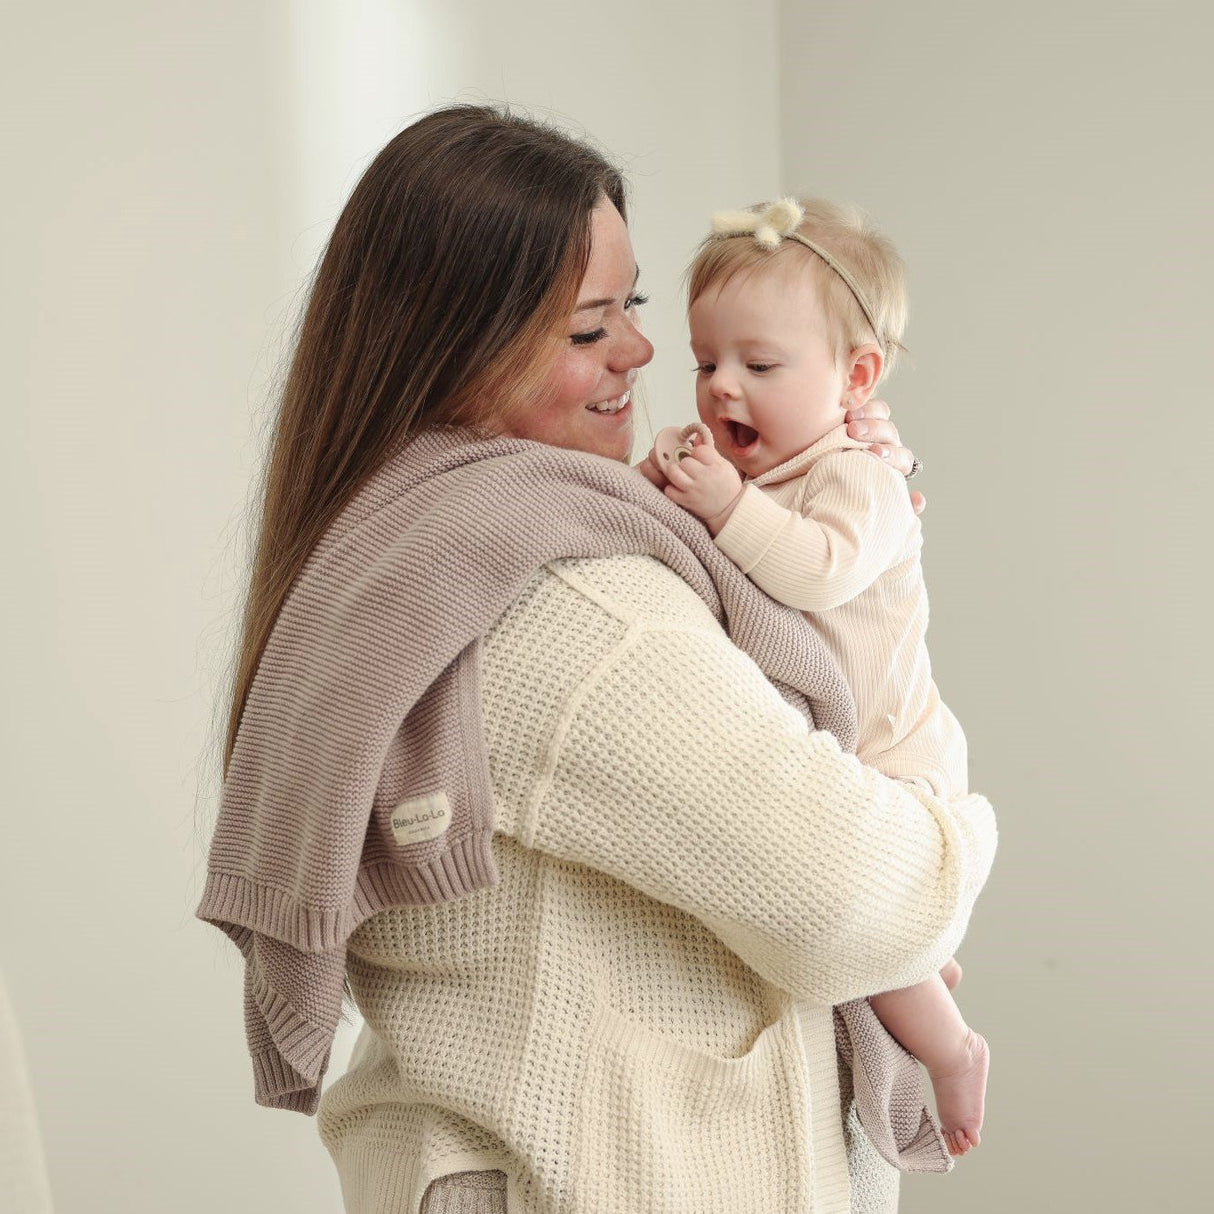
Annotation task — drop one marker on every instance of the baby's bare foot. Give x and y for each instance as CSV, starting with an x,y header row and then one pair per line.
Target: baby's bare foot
x,y
960,1090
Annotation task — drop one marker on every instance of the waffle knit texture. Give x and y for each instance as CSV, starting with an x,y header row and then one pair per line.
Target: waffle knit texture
x,y
363,721
638,1018
832,532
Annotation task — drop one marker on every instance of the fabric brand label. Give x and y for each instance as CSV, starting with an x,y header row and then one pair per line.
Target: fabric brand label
x,y
417,819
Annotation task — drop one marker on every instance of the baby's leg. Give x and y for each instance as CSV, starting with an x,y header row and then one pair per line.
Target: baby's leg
x,y
950,971
927,1022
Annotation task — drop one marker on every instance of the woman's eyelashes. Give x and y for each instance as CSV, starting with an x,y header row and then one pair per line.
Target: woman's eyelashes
x,y
591,336
588,339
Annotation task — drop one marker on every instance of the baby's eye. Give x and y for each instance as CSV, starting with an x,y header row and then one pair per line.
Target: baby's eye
x,y
705,368
635,301
760,368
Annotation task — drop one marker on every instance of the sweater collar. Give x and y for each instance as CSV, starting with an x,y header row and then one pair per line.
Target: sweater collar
x,y
833,440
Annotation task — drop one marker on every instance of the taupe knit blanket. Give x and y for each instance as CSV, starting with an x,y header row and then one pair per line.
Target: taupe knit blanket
x,y
360,779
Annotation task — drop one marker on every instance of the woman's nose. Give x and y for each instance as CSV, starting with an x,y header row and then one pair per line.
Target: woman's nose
x,y
633,350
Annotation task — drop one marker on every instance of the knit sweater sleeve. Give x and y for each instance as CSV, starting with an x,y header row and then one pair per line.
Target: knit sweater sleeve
x,y
679,769
853,525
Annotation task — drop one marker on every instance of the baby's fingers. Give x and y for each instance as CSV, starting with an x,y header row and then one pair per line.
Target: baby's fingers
x,y
679,475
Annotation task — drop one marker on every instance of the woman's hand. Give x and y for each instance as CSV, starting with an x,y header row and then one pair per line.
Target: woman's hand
x,y
870,421
648,468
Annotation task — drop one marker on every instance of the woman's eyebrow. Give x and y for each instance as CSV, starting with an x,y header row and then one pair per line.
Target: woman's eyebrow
x,y
602,303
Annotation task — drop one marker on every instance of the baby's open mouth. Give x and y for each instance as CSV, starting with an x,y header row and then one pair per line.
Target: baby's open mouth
x,y
742,436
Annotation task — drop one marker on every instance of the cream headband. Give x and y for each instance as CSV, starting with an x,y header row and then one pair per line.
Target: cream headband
x,y
779,222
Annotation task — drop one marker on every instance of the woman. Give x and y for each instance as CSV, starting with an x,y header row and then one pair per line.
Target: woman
x,y
624,1002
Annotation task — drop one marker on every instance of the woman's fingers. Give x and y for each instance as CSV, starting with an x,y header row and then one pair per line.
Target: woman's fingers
x,y
902,458
874,430
870,409
870,423
650,471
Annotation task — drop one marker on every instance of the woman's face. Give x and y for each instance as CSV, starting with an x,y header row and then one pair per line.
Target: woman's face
x,y
585,403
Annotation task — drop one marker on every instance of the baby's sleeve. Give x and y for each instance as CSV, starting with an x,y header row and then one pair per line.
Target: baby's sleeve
x,y
854,524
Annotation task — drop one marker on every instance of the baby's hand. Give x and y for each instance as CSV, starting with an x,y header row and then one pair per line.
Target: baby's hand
x,y
671,444
706,484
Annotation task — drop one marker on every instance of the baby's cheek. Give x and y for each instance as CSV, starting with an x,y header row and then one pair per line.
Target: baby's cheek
x,y
702,404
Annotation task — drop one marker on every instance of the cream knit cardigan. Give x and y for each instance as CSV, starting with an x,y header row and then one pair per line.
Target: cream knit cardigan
x,y
637,1019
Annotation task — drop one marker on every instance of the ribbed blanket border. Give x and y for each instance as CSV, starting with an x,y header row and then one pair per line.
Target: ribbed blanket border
x,y
229,898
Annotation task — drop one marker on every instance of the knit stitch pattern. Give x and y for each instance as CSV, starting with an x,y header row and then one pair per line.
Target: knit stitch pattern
x,y
367,698
467,1193
637,1018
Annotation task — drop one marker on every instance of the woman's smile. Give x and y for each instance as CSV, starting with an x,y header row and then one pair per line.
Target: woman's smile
x,y
617,404
586,402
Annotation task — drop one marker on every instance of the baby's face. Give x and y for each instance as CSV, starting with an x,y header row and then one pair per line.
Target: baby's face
x,y
768,384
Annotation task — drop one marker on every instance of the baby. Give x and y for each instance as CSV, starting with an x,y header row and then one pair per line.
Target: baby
x,y
796,311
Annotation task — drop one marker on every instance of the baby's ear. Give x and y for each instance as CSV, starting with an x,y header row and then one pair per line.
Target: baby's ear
x,y
863,371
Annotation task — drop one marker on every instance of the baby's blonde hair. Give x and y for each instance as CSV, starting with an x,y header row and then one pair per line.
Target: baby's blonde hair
x,y
848,236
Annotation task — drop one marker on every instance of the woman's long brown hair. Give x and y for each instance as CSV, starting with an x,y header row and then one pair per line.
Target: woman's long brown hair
x,y
437,301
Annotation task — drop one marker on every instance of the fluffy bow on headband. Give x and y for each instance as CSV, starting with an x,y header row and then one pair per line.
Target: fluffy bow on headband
x,y
780,222
768,227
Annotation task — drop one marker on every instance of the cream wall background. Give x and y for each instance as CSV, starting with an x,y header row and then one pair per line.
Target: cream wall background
x,y
1046,172
178,168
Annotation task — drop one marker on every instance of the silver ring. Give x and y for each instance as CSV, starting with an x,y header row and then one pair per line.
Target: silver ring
x,y
916,468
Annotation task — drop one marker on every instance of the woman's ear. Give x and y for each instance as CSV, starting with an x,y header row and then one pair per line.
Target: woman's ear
x,y
864,366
